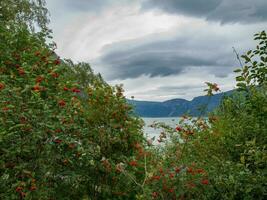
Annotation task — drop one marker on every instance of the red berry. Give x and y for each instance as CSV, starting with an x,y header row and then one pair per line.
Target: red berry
x,y
58,141
21,71
191,185
2,86
155,178
33,187
39,79
19,188
55,75
200,171
177,169
58,130
119,168
154,194
23,120
189,132
71,146
205,181
133,163
65,161
44,58
137,146
76,90
62,103
190,170
17,66
5,109
178,128
57,62
171,190
36,88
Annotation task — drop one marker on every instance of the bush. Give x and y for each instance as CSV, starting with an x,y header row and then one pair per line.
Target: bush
x,y
59,123
224,156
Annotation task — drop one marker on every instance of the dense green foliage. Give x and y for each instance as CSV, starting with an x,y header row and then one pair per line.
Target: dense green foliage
x,y
59,121
66,134
31,13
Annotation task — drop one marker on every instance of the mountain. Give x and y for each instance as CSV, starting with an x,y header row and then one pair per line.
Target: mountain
x,y
178,107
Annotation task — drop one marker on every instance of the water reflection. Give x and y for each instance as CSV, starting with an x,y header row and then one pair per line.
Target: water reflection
x,y
151,132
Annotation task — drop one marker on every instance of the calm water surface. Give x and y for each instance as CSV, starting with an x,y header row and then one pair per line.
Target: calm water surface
x,y
151,132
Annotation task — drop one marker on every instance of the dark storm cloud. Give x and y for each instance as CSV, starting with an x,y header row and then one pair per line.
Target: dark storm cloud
x,y
137,63
224,11
163,58
189,7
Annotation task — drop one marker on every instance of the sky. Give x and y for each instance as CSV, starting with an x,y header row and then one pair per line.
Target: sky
x,y
158,49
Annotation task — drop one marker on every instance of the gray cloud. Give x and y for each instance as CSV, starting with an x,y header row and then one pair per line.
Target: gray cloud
x,y
224,11
167,57
158,55
188,7
137,62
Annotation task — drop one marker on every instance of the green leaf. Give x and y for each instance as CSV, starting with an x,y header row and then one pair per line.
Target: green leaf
x,y
237,70
247,59
240,78
241,85
242,159
16,126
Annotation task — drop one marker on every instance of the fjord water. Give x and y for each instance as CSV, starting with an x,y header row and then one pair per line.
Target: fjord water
x,y
151,132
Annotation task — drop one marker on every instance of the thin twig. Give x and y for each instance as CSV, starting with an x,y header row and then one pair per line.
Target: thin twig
x,y
126,174
238,58
145,171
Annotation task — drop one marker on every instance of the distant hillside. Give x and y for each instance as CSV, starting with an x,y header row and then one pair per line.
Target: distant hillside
x,y
177,107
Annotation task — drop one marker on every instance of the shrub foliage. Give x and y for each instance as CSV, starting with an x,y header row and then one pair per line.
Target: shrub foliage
x,y
66,134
